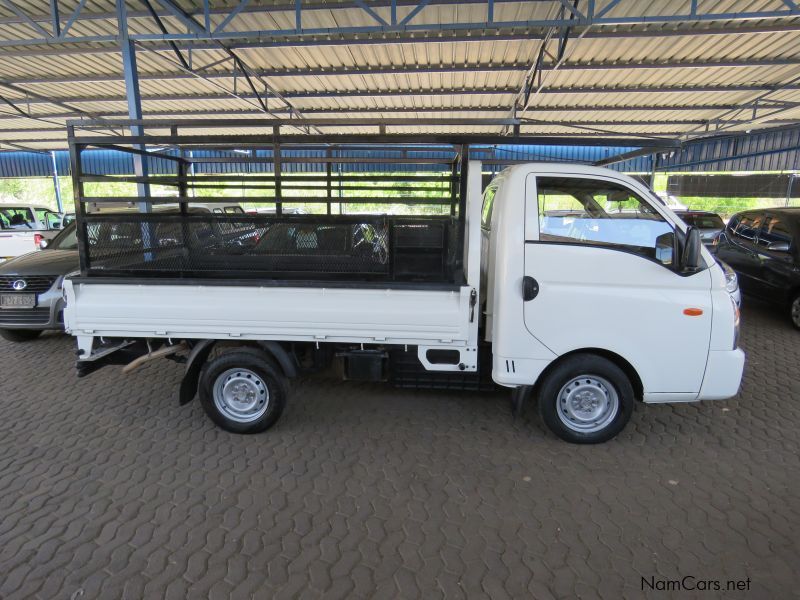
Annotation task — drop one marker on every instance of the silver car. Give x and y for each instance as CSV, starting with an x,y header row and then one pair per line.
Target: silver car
x,y
30,288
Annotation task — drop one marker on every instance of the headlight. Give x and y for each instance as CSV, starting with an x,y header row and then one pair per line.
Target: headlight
x,y
731,280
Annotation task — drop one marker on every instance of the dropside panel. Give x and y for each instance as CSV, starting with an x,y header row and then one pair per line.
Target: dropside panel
x,y
357,315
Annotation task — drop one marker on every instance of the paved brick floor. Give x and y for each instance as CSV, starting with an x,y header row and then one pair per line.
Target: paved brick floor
x,y
109,489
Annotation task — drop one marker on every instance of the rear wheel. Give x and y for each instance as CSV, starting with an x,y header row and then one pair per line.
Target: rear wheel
x,y
243,390
794,311
586,399
20,335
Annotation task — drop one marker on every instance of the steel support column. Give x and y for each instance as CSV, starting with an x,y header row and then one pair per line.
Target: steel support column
x,y
56,184
653,169
134,98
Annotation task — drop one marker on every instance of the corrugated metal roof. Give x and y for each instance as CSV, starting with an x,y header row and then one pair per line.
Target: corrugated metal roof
x,y
631,78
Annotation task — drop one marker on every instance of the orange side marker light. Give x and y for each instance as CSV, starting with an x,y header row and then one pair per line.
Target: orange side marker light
x,y
693,312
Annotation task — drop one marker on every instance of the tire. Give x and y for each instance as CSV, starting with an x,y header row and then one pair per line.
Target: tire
x,y
20,335
794,311
586,399
243,390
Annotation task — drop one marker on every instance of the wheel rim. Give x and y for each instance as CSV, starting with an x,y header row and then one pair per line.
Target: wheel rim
x,y
587,403
241,395
796,312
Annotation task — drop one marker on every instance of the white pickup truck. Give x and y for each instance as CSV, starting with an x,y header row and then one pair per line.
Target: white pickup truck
x,y
578,287
26,228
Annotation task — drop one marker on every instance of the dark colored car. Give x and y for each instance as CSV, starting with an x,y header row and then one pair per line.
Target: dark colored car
x,y
710,224
763,247
30,288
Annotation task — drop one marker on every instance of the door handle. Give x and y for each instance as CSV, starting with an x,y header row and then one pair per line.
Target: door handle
x,y
530,288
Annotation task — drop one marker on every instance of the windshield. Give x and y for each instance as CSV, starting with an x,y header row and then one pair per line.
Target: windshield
x,y
704,221
66,240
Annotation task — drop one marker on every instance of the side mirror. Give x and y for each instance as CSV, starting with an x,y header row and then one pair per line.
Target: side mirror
x,y
665,248
691,258
778,246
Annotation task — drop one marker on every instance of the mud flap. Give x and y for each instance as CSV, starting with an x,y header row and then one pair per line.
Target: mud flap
x,y
518,397
194,364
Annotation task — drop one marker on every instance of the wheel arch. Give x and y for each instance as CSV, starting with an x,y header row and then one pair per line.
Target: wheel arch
x,y
202,350
630,371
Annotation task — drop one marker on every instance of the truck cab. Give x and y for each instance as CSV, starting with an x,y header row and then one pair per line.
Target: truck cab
x,y
584,265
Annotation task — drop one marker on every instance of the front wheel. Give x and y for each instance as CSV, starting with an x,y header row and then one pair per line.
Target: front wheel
x,y
20,335
794,311
243,390
586,399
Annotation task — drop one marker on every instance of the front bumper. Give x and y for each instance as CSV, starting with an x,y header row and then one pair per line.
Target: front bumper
x,y
47,314
723,374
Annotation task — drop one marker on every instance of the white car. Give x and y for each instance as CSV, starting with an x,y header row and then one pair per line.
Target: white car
x,y
25,228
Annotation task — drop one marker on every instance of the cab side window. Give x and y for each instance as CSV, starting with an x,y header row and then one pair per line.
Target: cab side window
x,y
591,212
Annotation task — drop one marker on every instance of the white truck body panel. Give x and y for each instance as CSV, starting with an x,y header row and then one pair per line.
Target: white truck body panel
x,y
313,314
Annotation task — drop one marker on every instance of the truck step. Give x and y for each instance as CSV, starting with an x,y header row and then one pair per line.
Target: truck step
x,y
406,371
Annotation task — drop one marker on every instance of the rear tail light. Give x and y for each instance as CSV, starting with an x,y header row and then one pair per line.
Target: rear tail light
x,y
39,241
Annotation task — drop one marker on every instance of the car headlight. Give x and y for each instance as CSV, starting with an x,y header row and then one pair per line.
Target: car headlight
x,y
731,280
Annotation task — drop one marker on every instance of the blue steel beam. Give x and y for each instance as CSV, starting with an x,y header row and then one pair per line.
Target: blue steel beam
x,y
56,183
58,132
409,69
593,17
438,92
73,17
232,15
34,47
393,110
55,18
134,99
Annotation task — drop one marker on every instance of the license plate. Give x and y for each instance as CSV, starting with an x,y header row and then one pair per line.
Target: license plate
x,y
17,300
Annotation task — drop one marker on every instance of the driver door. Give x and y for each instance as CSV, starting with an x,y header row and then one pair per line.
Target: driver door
x,y
601,255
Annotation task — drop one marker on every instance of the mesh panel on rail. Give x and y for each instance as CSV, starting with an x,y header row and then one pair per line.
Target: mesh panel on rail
x,y
344,247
